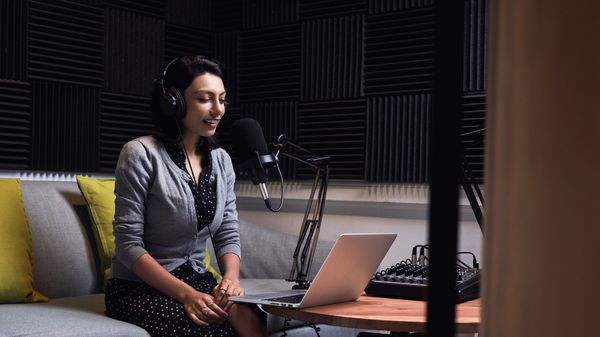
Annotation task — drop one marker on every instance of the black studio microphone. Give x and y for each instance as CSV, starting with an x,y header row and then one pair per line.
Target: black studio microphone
x,y
253,157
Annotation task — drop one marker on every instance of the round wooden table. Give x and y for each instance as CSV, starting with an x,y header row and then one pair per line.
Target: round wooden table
x,y
378,313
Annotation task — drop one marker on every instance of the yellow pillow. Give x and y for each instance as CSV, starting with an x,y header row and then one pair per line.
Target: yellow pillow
x,y
99,195
100,198
16,271
210,267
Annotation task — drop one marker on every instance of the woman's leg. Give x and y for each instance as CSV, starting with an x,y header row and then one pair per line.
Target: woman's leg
x,y
246,322
160,315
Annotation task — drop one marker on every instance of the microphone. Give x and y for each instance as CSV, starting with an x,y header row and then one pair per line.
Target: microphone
x,y
254,159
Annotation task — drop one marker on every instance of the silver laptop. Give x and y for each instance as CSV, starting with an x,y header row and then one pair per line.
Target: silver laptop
x,y
342,277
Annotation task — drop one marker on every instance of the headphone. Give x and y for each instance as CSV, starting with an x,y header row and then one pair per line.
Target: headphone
x,y
172,103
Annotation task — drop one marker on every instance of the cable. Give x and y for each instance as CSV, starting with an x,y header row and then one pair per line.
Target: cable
x,y
475,264
282,191
422,257
413,255
189,163
461,263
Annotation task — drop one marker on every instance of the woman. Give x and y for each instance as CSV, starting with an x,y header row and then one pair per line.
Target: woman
x,y
173,192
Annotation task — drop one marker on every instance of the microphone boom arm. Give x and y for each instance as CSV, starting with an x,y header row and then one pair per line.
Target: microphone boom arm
x,y
313,215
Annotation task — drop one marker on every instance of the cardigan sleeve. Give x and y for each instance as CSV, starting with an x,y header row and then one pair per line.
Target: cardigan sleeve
x,y
227,237
132,181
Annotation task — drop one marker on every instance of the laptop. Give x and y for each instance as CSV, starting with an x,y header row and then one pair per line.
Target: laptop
x,y
343,276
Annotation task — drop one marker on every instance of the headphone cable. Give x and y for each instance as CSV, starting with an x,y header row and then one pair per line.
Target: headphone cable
x,y
189,163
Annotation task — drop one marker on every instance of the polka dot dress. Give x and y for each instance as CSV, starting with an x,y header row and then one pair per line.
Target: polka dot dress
x,y
205,196
144,306
157,313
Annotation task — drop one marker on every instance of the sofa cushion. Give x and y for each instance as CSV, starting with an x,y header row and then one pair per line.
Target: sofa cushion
x,y
16,271
64,261
69,316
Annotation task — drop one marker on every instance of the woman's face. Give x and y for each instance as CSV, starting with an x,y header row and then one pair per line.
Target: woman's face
x,y
205,104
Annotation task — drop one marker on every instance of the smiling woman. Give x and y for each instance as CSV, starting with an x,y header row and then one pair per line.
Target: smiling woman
x,y
191,84
174,191
205,105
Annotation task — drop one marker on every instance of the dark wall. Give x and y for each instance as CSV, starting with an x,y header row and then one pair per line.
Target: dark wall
x,y
346,78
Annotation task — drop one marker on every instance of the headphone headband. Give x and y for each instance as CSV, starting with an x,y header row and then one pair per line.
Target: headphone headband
x,y
171,100
161,77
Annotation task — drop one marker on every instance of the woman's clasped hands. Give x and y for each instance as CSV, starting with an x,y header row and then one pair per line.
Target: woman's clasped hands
x,y
204,309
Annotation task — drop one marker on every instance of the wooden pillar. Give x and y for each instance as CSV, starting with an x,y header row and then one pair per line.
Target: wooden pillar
x,y
542,233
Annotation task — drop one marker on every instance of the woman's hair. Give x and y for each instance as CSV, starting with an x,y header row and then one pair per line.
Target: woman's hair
x,y
180,74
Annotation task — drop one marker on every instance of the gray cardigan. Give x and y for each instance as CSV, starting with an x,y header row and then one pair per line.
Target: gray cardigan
x,y
155,213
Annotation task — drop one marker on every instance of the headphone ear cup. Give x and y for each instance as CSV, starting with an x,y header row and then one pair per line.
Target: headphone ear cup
x,y
172,104
167,104
179,108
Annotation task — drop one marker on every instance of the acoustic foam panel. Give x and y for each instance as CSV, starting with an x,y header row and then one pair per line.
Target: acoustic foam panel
x,y
270,63
122,118
64,126
313,9
332,58
399,52
398,138
336,129
259,13
134,47
15,125
65,42
13,39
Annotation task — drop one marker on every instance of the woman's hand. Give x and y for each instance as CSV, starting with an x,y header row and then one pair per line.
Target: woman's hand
x,y
224,290
202,309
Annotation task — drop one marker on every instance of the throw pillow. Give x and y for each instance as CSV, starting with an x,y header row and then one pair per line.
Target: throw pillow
x,y
16,251
209,266
99,195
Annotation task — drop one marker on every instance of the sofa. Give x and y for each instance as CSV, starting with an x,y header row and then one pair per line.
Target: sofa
x,y
66,268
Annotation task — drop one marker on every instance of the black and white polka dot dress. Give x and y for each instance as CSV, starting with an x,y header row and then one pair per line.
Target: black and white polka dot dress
x,y
159,314
205,196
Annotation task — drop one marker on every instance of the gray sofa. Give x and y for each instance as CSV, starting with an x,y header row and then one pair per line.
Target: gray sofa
x,y
66,269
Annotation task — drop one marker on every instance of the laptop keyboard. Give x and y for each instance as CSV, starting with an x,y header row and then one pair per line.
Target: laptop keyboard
x,y
287,299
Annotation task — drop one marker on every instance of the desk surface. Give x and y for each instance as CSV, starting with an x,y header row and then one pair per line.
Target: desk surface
x,y
377,313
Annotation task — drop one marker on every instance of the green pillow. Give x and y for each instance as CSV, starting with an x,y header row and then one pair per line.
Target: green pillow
x,y
16,270
99,195
100,198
